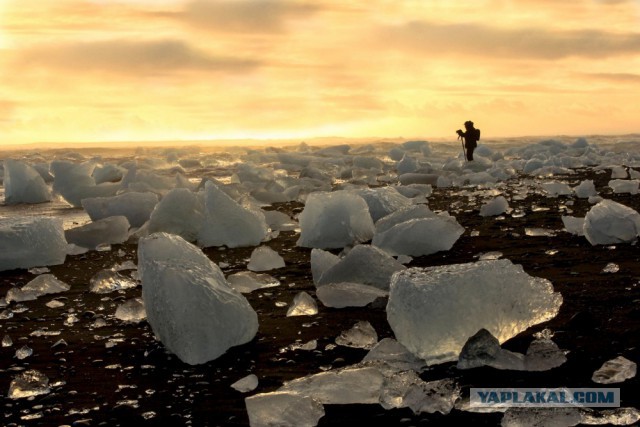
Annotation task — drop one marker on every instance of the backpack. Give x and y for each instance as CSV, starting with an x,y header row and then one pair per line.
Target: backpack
x,y
477,134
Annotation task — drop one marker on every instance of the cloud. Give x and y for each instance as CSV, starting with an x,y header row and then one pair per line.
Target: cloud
x,y
484,41
125,56
247,16
615,77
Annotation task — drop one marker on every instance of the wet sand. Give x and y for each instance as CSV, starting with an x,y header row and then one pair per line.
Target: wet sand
x,y
120,375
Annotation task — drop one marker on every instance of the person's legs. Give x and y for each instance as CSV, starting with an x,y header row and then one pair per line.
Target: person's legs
x,y
469,151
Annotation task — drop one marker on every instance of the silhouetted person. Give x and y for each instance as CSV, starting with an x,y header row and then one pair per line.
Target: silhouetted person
x,y
471,138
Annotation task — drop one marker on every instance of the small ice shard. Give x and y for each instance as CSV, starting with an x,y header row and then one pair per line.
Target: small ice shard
x,y
131,311
494,207
41,285
321,261
27,384
348,385
127,265
109,280
362,335
364,264
334,220
137,207
180,212
283,409
308,346
610,222
248,281
246,384
573,225
408,390
34,242
538,232
303,305
483,349
616,417
7,341
542,355
227,223
346,294
23,352
624,186
556,189
490,256
611,268
23,184
190,306
615,371
585,189
109,230
418,237
456,300
264,258
395,355
541,417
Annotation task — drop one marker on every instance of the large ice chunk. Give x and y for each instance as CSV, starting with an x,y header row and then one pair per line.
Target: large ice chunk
x,y
383,201
110,230
31,242
179,212
433,311
190,306
23,184
227,223
334,220
75,183
364,264
610,222
420,236
137,207
321,261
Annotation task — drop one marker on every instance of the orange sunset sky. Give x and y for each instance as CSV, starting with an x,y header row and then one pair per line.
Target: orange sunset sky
x,y
105,70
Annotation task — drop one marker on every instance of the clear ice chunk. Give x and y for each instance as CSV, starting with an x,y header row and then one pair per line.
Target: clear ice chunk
x,y
283,409
248,281
246,384
610,222
615,371
109,280
264,258
131,311
190,306
456,300
303,305
362,335
34,242
346,294
109,230
29,383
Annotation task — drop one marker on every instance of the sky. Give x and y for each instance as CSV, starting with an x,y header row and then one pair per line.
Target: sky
x,y
124,70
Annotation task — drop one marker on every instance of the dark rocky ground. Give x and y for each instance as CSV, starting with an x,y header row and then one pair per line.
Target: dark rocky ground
x,y
135,382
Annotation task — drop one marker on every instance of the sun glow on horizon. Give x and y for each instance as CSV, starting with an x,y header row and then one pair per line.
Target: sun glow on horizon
x,y
74,70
